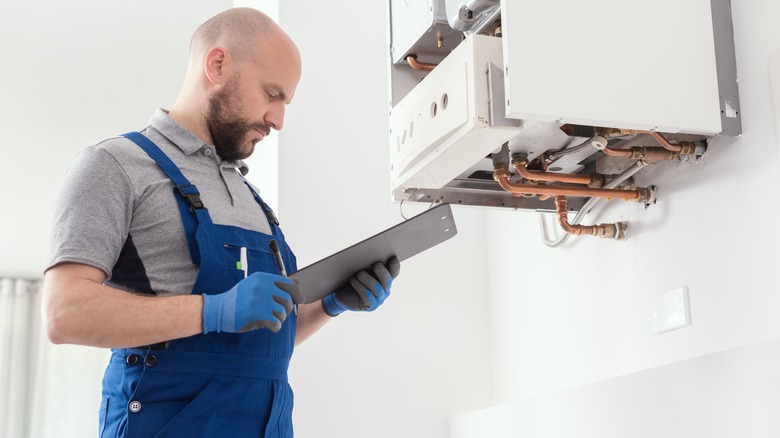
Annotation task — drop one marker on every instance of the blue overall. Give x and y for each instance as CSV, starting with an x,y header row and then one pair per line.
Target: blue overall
x,y
207,385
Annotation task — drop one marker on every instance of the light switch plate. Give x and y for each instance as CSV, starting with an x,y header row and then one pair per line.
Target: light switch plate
x,y
671,310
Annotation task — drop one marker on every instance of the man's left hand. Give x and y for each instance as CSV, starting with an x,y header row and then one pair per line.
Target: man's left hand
x,y
368,291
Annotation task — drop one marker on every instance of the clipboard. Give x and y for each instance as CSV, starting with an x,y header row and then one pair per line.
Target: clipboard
x,y
404,240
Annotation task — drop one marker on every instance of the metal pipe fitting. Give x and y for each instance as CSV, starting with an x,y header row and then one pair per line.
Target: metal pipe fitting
x,y
604,231
637,194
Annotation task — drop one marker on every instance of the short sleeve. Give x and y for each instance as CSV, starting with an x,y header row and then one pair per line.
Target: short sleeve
x,y
92,212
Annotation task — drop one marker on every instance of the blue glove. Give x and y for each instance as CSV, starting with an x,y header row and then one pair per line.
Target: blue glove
x,y
367,292
261,300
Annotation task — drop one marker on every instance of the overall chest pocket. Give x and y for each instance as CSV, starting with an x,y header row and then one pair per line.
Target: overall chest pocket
x,y
244,260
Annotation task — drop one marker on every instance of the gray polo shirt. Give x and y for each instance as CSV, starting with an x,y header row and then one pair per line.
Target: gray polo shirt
x,y
116,210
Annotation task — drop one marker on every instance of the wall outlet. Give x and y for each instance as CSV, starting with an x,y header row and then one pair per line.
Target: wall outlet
x,y
671,310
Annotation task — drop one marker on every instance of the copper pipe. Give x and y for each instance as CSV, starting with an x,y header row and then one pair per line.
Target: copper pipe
x,y
611,132
417,65
595,180
662,141
609,231
654,155
640,194
648,154
628,153
538,175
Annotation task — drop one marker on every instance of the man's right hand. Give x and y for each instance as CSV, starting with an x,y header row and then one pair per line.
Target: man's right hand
x,y
261,300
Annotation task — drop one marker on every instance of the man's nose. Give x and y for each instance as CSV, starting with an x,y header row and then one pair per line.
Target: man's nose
x,y
275,117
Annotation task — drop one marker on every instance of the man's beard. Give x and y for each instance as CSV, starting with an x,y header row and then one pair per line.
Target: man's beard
x,y
228,131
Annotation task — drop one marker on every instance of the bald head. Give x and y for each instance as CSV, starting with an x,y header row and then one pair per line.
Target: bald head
x,y
239,30
243,71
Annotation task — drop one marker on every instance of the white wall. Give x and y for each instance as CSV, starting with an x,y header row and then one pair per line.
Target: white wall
x,y
402,371
76,72
582,313
731,393
489,318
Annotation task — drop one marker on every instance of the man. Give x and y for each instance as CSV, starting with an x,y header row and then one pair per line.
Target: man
x,y
162,251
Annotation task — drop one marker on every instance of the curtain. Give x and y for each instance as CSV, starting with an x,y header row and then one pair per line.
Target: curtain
x,y
22,351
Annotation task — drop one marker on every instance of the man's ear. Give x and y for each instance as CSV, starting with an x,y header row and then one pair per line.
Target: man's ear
x,y
216,65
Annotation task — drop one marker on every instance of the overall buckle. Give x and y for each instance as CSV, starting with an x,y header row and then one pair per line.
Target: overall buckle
x,y
192,198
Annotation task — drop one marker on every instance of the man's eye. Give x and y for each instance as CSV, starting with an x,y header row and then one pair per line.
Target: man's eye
x,y
271,95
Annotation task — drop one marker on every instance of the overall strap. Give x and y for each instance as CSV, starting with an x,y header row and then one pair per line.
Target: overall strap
x,y
187,196
273,221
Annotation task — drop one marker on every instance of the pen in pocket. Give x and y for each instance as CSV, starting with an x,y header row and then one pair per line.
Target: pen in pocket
x,y
243,261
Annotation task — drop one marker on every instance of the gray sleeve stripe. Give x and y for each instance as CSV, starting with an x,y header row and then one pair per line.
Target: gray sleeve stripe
x,y
80,259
